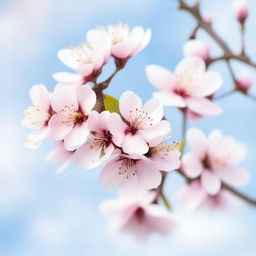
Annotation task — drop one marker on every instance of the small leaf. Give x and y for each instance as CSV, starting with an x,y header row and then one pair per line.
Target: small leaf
x,y
111,104
166,203
181,145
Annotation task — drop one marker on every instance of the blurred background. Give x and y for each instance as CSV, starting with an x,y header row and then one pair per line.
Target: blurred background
x,y
42,213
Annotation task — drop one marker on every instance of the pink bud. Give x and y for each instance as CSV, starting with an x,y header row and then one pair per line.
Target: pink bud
x,y
207,18
197,48
244,81
241,10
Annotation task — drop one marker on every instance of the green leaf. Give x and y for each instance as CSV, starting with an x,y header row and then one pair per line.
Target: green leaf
x,y
166,203
111,104
181,146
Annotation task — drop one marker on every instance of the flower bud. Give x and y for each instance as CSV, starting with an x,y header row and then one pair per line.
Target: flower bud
x,y
197,48
244,82
241,10
207,18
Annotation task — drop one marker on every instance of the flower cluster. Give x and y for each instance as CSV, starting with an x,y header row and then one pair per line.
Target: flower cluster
x,y
131,139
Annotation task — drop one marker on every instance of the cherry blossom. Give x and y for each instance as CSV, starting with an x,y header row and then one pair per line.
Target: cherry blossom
x,y
72,107
126,43
193,196
141,124
60,154
188,87
138,216
37,116
86,59
100,145
214,160
197,48
241,10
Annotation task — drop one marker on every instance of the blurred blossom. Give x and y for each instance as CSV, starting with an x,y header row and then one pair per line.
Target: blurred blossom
x,y
245,81
214,160
138,216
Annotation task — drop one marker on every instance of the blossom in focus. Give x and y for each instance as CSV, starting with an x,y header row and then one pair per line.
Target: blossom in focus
x,y
193,196
130,173
72,108
241,10
188,87
141,125
60,154
197,48
86,59
126,43
37,116
244,81
101,142
214,159
138,216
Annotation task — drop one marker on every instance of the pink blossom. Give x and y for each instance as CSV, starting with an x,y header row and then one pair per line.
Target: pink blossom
x,y
193,196
130,173
37,116
60,154
241,10
138,216
214,160
101,142
188,87
86,59
197,48
142,124
126,43
72,107
244,81
207,18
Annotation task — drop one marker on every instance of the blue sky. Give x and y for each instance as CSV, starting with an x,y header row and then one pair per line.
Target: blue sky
x,y
42,213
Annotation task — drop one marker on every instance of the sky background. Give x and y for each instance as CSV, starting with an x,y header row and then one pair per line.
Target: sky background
x,y
42,213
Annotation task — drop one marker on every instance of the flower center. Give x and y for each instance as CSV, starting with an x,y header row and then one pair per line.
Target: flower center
x,y
187,83
36,117
101,139
71,116
83,53
126,167
139,214
118,32
139,119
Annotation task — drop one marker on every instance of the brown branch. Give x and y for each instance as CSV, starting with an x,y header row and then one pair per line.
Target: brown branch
x,y
227,53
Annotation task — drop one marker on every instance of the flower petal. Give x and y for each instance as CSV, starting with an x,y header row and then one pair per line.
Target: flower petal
x,y
86,98
203,106
160,77
40,96
66,56
210,182
190,65
170,99
34,138
191,165
155,111
133,144
69,78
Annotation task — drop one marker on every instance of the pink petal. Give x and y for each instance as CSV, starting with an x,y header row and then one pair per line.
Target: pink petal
x,y
122,50
144,42
149,176
69,78
117,128
133,144
67,57
85,69
64,96
234,176
192,65
40,97
203,106
210,83
98,121
191,165
160,77
58,129
76,137
135,39
170,99
214,140
35,138
86,98
128,104
197,141
210,182
154,109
